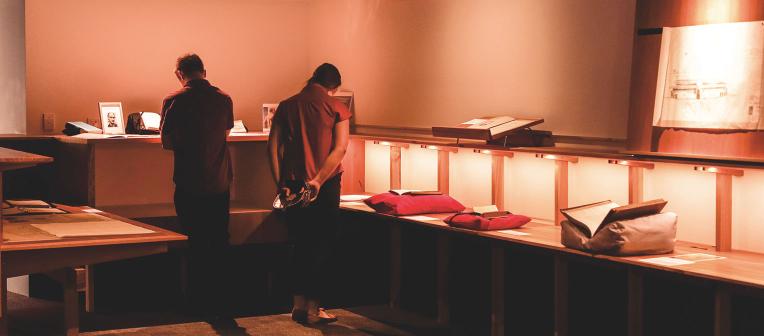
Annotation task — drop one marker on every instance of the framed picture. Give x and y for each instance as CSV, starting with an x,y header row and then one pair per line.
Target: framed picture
x,y
111,118
268,111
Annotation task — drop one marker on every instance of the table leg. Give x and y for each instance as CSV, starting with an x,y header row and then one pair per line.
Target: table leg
x,y
395,266
560,296
497,291
89,289
442,255
71,303
3,298
722,308
636,301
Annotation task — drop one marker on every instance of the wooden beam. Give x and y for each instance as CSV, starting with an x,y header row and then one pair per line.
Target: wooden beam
x,y
395,167
497,181
560,190
354,165
442,255
723,212
635,301
636,184
497,290
395,266
560,295
443,171
722,312
71,303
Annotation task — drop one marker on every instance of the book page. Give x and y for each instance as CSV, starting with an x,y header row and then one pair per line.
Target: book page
x,y
592,216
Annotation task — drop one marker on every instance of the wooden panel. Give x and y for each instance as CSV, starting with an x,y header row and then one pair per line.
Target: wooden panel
x,y
636,184
497,290
560,296
443,171
644,77
395,167
497,181
71,303
722,312
353,164
560,190
635,302
3,296
673,13
723,212
443,256
395,266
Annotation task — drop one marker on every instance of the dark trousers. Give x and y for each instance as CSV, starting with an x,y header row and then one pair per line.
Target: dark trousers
x,y
313,231
204,218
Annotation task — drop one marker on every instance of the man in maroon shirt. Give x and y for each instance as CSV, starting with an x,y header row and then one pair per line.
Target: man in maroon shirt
x,y
308,140
195,123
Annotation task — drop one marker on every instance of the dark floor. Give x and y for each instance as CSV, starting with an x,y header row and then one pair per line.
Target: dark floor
x,y
40,317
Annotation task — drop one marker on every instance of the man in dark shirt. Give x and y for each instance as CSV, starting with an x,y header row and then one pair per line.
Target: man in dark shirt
x,y
195,123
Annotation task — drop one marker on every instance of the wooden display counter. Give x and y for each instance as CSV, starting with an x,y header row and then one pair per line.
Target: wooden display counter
x,y
737,270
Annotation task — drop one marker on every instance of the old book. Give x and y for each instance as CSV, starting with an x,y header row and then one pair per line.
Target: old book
x,y
488,128
590,218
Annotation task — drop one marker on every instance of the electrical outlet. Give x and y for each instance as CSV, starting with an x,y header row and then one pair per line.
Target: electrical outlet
x,y
48,122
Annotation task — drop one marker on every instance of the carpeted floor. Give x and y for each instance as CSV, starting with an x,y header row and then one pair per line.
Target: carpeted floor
x,y
34,317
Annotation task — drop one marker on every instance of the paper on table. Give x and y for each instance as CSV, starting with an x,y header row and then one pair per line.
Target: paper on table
x,y
353,198
91,210
667,261
513,232
43,211
105,228
421,218
353,203
29,203
695,257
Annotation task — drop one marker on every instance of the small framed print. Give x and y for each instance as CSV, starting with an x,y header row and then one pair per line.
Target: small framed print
x,y
268,111
111,118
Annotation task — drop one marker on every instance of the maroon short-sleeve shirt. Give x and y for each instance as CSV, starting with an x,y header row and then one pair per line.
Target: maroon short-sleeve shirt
x,y
196,120
307,123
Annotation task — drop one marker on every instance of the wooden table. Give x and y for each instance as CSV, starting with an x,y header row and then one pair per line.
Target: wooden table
x,y
60,256
738,269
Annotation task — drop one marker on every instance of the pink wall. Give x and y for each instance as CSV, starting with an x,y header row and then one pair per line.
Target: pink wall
x,y
428,62
80,52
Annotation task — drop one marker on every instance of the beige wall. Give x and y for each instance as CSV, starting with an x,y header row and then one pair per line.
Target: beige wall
x,y
80,52
12,97
427,62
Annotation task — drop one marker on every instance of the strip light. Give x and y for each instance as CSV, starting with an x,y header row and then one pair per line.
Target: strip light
x,y
629,163
440,148
494,152
391,144
556,157
720,170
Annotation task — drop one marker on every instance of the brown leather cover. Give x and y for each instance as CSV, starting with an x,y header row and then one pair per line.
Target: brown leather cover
x,y
654,234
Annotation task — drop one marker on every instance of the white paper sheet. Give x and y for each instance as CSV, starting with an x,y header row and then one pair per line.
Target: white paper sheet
x,y
353,203
421,218
353,198
514,233
92,211
666,261
105,228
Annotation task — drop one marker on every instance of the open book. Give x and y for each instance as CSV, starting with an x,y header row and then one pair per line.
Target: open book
x,y
488,128
590,218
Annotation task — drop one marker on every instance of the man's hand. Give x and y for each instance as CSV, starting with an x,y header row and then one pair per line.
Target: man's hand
x,y
316,186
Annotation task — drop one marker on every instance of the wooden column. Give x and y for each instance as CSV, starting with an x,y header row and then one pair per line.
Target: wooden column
x,y
354,166
90,287
560,182
560,295
395,167
723,204
635,302
395,266
497,181
443,171
442,260
560,190
636,185
723,212
71,303
722,312
497,290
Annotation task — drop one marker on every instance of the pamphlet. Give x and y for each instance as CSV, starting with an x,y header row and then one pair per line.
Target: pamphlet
x,y
421,218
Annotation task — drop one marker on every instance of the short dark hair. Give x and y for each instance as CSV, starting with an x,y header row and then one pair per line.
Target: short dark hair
x,y
189,63
327,75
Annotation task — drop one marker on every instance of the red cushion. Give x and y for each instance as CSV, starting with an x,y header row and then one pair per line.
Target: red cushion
x,y
407,205
476,222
